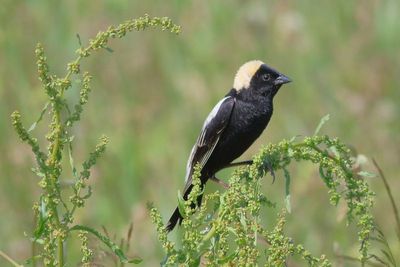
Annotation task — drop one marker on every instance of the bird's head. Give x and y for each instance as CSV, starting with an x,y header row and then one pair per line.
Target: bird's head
x,y
256,76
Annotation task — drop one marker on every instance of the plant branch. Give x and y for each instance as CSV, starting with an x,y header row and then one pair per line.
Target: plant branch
x,y
9,259
389,192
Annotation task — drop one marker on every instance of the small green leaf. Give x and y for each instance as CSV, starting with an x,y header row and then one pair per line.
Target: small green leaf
x,y
79,39
196,262
181,204
41,225
243,221
37,240
71,159
232,230
287,204
31,259
321,123
135,260
88,193
324,176
366,174
108,49
287,190
33,126
38,172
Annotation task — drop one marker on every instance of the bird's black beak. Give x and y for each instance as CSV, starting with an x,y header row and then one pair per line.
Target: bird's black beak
x,y
282,79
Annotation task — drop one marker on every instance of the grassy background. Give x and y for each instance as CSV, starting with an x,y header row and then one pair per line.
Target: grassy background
x,y
152,94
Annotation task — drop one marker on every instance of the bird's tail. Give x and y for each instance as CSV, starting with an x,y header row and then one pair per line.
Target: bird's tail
x,y
176,216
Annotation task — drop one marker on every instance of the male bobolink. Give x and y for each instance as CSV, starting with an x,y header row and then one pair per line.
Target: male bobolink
x,y
233,124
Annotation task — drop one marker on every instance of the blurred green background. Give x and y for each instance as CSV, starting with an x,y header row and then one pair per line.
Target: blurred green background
x,y
152,94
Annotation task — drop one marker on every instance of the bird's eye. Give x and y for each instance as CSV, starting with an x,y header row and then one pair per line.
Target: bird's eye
x,y
266,77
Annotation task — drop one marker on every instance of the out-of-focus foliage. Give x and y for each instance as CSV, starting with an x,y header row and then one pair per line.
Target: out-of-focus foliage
x,y
154,91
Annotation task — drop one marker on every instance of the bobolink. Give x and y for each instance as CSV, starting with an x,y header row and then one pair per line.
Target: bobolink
x,y
233,124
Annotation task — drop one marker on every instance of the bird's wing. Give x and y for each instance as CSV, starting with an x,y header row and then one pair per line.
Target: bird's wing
x,y
212,129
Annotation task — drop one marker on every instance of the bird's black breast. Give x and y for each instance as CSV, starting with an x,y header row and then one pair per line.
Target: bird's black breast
x,y
248,120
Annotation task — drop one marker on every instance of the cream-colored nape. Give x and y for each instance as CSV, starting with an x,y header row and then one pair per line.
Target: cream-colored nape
x,y
245,73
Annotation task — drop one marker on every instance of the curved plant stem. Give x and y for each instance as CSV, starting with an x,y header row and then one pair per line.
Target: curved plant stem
x,y
33,246
389,192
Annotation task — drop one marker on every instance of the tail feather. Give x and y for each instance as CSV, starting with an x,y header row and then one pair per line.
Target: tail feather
x,y
176,217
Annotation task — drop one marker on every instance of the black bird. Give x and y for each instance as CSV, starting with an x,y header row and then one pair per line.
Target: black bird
x,y
233,124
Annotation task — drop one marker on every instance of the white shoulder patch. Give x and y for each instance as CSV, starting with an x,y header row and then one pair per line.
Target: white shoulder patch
x,y
209,118
214,111
245,73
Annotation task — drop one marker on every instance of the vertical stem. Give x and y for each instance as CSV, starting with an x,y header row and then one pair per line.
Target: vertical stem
x,y
53,188
54,160
60,252
389,192
53,164
33,247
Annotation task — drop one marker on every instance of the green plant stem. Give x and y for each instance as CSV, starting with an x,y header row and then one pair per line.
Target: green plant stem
x,y
53,161
325,153
389,192
60,252
33,247
316,148
322,152
9,259
53,179
210,234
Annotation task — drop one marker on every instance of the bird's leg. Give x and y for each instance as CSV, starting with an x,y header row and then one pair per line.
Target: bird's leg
x,y
220,182
240,163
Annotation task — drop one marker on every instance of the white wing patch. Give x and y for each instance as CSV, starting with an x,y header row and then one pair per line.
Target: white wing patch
x,y
189,163
214,111
200,140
